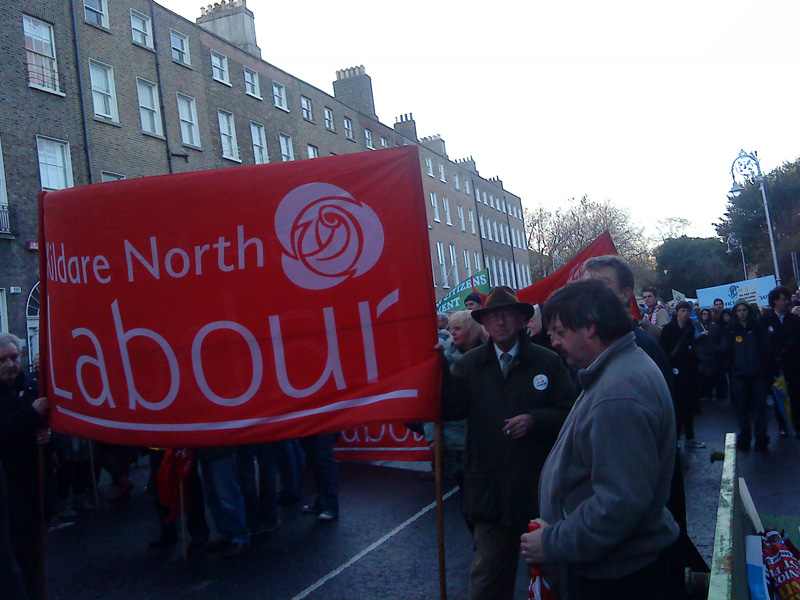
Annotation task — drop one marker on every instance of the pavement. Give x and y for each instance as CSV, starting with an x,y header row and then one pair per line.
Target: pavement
x,y
383,546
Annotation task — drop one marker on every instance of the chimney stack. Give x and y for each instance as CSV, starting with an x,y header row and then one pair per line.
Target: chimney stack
x,y
353,87
232,21
405,125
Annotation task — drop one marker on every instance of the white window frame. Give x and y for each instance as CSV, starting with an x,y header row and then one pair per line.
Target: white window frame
x,y
258,135
279,96
312,151
477,262
460,211
494,225
384,142
42,67
252,85
96,15
287,148
330,121
442,264
467,263
466,187
485,201
149,114
456,182
483,230
227,135
368,139
435,205
219,67
146,33
189,124
491,200
489,229
103,95
307,108
471,221
108,176
429,166
442,176
62,165
3,187
348,128
180,54
454,264
446,204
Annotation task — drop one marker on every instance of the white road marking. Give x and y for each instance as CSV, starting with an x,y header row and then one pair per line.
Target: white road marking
x,y
370,548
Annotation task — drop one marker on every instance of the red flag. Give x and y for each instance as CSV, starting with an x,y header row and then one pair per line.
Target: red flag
x,y
241,305
540,291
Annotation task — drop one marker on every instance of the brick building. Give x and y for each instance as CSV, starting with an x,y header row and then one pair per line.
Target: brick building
x,y
98,90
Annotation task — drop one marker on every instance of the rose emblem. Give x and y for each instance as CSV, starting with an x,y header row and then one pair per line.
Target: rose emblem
x,y
327,236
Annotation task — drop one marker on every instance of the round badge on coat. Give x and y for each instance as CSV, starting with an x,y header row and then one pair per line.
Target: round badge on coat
x,y
540,382
674,371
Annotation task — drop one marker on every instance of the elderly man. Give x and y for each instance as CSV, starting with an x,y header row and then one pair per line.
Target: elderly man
x,y
22,416
515,396
473,301
605,485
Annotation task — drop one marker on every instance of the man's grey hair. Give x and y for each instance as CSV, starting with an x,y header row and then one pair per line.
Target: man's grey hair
x,y
619,264
10,338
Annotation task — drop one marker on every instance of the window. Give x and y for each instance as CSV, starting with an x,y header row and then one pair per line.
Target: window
x,y
259,135
466,187
484,199
219,67
306,107
489,229
96,12
455,181
483,231
435,205
491,200
496,238
149,110
141,29
508,235
510,281
4,226
287,150
472,222
104,96
477,261
429,166
251,84
441,173
461,218
467,264
442,264
434,275
384,142
279,96
227,135
446,204
313,151
180,47
454,264
55,165
40,51
330,124
368,138
106,176
348,128
187,111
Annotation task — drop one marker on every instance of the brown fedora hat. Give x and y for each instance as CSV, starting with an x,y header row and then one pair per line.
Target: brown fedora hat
x,y
502,297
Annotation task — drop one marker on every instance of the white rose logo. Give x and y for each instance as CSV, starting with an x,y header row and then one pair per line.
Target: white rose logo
x,y
327,236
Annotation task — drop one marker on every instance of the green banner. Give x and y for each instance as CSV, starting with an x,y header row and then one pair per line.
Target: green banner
x,y
454,300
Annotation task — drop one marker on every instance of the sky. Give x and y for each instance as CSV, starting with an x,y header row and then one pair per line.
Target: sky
x,y
643,104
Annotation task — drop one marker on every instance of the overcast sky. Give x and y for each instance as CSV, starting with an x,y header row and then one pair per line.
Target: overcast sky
x,y
641,103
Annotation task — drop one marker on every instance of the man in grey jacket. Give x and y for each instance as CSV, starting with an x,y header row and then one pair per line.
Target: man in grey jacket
x,y
604,488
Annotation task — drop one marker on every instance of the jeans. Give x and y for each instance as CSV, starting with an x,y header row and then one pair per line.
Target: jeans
x,y
291,466
750,394
259,487
224,498
319,454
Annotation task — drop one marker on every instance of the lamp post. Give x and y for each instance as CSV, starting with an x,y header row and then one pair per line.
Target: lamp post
x,y
734,241
747,166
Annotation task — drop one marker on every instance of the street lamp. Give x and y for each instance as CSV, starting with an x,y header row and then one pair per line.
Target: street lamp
x,y
747,166
734,241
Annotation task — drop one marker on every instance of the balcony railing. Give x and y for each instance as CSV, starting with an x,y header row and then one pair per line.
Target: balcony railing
x,y
8,220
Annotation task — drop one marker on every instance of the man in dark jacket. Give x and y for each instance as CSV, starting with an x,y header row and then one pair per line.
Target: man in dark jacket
x,y
22,415
745,346
677,340
515,397
784,333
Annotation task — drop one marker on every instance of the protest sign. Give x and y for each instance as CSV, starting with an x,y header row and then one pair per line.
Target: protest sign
x,y
750,290
454,299
241,305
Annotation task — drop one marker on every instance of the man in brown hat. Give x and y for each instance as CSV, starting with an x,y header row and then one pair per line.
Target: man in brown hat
x,y
515,397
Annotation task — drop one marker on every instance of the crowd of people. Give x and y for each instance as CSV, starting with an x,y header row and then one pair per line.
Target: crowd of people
x,y
567,414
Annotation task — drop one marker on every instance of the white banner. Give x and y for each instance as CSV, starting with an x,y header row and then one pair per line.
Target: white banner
x,y
751,290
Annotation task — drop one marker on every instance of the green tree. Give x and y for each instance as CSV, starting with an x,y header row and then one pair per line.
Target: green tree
x,y
745,217
687,264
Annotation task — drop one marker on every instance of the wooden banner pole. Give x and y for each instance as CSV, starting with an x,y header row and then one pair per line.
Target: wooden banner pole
x,y
437,461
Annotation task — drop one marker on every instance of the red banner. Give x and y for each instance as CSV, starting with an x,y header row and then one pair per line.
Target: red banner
x,y
241,305
540,291
387,441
